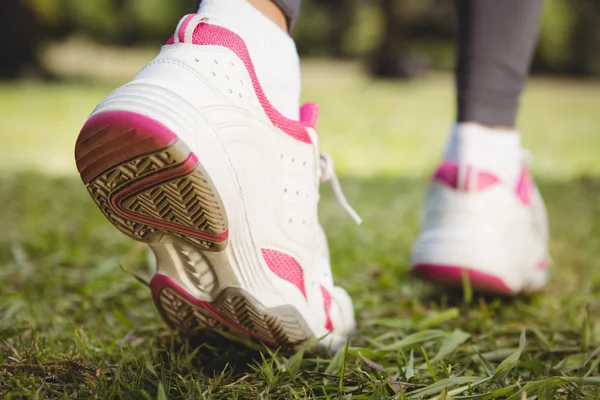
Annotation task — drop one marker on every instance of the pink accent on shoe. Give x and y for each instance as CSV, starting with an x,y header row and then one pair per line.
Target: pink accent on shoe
x,y
110,138
140,124
170,41
486,180
214,35
309,113
542,265
446,275
182,27
285,267
448,174
464,185
327,304
159,282
524,187
154,180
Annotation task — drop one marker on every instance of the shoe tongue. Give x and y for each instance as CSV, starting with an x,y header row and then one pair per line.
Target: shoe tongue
x,y
309,113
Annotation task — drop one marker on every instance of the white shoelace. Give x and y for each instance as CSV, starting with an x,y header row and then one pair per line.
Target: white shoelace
x,y
328,175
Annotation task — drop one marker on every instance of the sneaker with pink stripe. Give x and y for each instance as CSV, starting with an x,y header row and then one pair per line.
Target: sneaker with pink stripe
x,y
192,159
477,227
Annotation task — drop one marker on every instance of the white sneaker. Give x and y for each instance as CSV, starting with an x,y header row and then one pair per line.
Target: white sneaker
x,y
192,159
474,223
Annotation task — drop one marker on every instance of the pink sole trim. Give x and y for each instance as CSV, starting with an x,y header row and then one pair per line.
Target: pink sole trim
x,y
154,180
162,135
99,147
452,276
107,153
160,282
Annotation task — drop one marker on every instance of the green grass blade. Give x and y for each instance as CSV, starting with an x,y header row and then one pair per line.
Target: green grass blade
x,y
450,344
161,395
511,361
429,366
416,338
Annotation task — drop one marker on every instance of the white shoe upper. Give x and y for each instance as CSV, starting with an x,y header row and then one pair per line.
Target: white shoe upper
x,y
266,168
474,221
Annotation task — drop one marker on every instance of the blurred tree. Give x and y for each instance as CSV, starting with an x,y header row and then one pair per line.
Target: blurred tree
x,y
584,59
19,38
391,59
127,22
552,52
389,33
324,27
341,15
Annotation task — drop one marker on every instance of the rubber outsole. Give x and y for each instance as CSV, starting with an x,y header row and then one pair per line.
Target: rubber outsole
x,y
232,311
453,276
151,187
147,182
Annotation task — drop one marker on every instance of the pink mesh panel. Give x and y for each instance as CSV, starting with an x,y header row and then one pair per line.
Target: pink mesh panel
x,y
524,188
213,35
447,173
171,40
285,267
327,305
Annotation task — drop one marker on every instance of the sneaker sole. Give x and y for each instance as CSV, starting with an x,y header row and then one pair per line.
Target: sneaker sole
x,y
453,276
153,188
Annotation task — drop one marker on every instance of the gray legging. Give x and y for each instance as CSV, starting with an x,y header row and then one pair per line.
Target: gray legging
x,y
496,39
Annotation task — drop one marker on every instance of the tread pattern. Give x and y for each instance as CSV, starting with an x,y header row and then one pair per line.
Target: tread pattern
x,y
280,327
179,314
110,181
187,201
284,329
147,182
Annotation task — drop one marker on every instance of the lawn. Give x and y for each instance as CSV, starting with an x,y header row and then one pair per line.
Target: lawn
x,y
76,323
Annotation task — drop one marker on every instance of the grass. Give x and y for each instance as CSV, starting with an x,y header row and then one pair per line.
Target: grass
x,y
73,324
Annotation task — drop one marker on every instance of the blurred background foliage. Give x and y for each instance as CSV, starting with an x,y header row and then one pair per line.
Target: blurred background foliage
x,y
394,38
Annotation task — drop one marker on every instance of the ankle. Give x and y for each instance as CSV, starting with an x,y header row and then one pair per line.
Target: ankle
x,y
493,150
272,50
499,128
271,11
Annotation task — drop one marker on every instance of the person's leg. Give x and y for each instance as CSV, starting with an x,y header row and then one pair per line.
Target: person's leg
x,y
483,214
284,13
289,8
496,40
272,11
196,158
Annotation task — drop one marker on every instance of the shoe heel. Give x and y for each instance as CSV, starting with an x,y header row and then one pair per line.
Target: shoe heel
x,y
147,182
